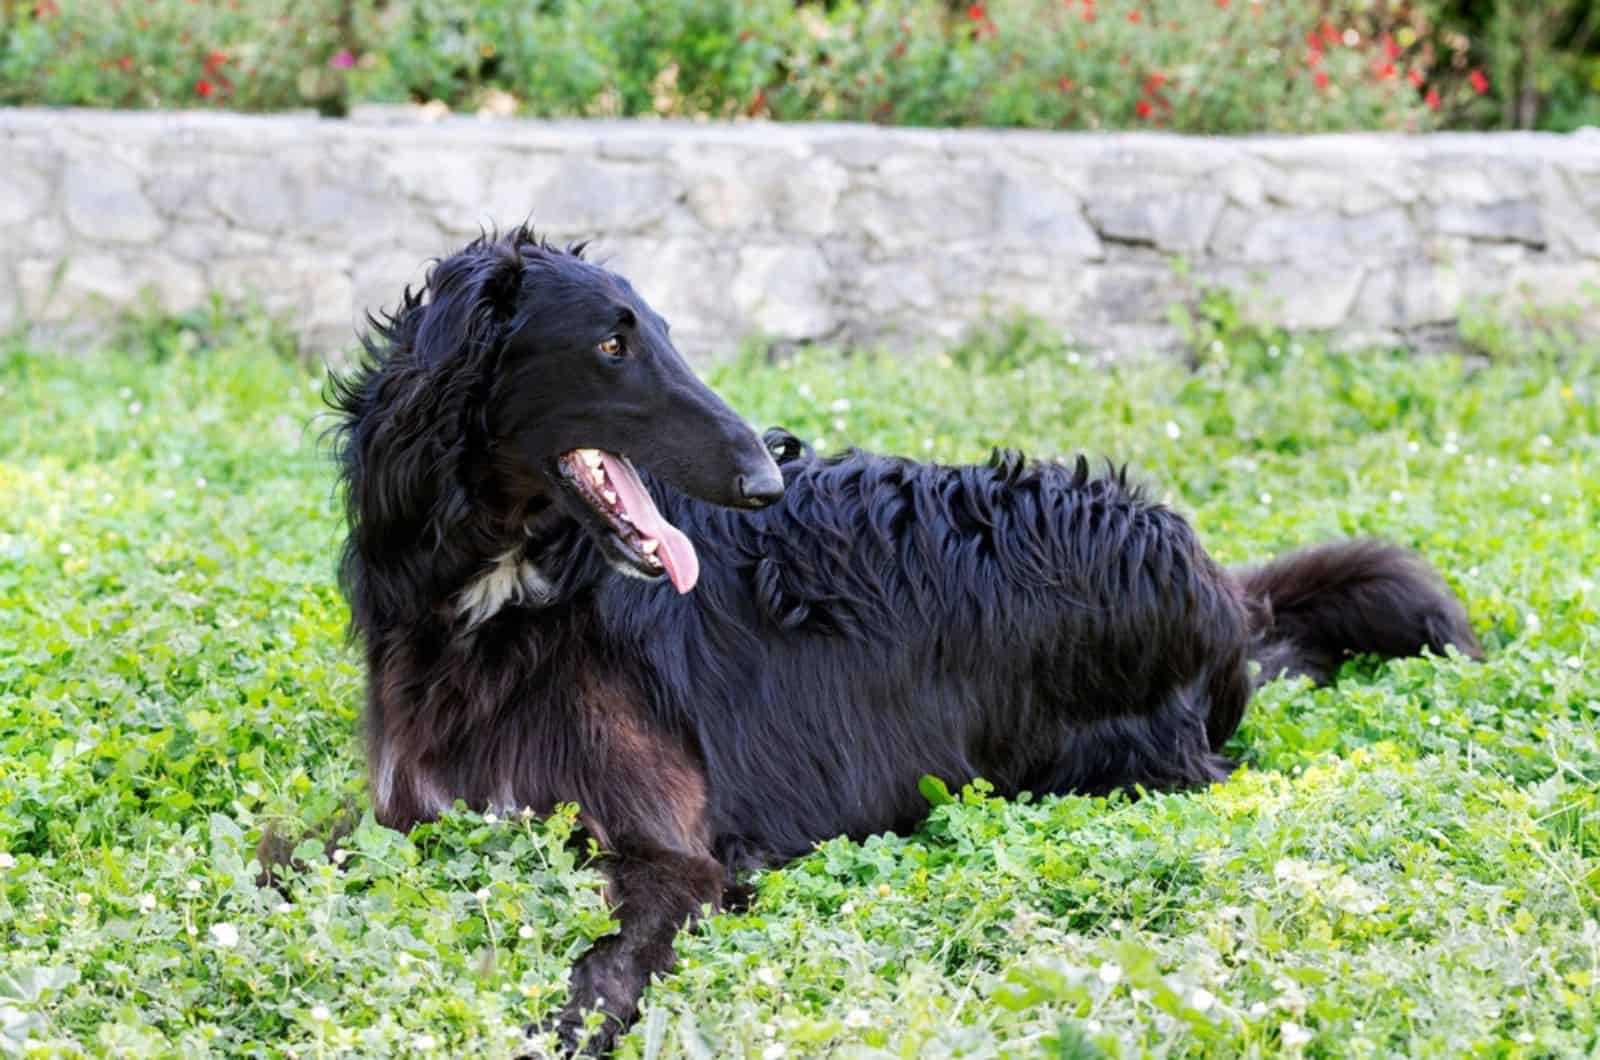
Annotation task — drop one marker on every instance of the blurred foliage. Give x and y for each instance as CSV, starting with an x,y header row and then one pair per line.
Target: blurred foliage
x,y
1204,66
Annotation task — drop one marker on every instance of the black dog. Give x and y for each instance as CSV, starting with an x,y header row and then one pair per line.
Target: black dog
x,y
863,622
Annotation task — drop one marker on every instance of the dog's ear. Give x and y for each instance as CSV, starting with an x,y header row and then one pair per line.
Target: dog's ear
x,y
470,298
412,418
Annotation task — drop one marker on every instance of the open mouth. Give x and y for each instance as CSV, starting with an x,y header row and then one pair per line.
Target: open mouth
x,y
640,535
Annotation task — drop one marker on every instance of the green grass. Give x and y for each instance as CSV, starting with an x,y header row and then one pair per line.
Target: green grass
x,y
1408,864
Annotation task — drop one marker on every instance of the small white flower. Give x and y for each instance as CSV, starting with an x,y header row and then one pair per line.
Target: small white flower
x,y
125,393
839,424
1074,357
1531,620
107,498
1574,663
1266,498
1395,496
1173,430
1202,999
424,1043
525,931
7,861
225,935
1451,448
819,443
283,907
65,548
1543,441
320,1013
1351,38
1094,1026
200,483
1413,447
1216,346
775,1051
767,975
340,855
927,445
193,886
1258,1010
1272,351
83,899
841,405
483,894
1544,498
858,1018
490,818
1525,1037
1293,1034
1109,973
135,407
147,903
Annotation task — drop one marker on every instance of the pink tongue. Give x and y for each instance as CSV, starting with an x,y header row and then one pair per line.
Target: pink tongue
x,y
676,552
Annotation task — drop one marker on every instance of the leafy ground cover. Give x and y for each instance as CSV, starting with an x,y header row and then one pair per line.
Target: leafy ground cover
x,y
1407,864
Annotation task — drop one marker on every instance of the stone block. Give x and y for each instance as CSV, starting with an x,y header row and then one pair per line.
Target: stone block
x,y
1515,221
24,195
1176,222
783,292
105,203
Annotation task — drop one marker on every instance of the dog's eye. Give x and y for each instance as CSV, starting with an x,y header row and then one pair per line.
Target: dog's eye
x,y
612,347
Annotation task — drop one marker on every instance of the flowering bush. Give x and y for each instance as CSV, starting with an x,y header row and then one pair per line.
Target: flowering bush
x,y
1207,66
240,54
1186,65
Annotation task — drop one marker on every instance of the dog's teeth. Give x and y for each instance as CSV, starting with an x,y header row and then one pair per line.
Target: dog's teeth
x,y
590,457
598,475
649,547
611,498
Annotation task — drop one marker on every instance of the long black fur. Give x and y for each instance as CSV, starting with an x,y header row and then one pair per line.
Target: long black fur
x,y
1040,625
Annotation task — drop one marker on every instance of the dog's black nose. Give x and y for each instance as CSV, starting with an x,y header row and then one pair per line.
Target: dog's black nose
x,y
760,488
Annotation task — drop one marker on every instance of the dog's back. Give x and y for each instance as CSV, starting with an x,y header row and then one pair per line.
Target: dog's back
x,y
1034,624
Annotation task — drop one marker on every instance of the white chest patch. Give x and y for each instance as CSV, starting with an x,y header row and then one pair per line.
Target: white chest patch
x,y
512,580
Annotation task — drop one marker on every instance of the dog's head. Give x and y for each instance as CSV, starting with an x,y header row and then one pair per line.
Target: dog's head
x,y
571,382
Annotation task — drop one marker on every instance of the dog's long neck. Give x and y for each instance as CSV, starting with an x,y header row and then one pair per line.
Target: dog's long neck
x,y
547,562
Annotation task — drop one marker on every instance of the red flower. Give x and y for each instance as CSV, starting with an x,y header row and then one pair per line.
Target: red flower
x,y
202,88
1480,83
1320,78
977,13
1065,84
1135,17
745,35
1385,71
1144,109
1223,4
1088,14
1329,34
1415,77
1390,48
899,49
1314,57
1432,99
1154,81
126,63
214,60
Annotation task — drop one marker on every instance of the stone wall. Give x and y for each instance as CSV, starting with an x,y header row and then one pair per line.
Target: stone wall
x,y
803,233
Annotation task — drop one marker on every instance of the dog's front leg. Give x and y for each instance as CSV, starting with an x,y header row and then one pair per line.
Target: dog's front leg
x,y
656,892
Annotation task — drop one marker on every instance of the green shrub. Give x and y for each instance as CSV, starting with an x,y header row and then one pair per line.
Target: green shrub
x,y
239,54
1208,66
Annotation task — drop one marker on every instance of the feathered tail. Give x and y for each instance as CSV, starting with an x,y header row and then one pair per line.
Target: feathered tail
x,y
1313,608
